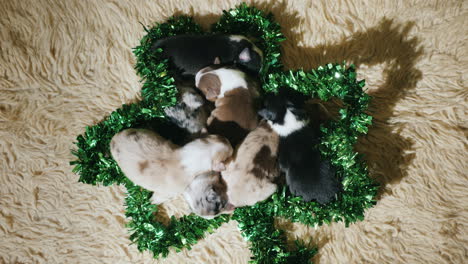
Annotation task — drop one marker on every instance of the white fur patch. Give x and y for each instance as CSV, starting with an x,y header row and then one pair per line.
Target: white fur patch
x,y
290,124
237,38
196,157
244,56
198,77
192,100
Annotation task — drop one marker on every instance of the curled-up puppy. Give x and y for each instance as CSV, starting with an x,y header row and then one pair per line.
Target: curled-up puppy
x,y
188,54
157,165
252,173
207,196
190,113
234,95
307,173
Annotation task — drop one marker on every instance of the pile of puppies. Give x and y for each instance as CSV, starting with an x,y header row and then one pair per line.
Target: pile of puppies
x,y
230,157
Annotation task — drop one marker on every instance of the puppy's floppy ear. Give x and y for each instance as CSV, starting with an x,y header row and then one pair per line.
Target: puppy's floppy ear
x,y
210,85
244,56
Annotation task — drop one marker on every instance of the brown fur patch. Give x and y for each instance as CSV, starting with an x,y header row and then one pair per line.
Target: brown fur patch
x,y
210,85
143,165
265,126
237,106
264,163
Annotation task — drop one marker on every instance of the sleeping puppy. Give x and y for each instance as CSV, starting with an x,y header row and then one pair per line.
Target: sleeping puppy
x,y
207,197
252,173
188,54
157,165
191,112
307,174
234,94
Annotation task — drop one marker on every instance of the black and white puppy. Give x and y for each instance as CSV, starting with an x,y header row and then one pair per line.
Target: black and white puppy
x,y
188,54
307,174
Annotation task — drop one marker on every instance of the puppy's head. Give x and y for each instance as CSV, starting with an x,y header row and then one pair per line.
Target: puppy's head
x,y
249,56
213,81
284,110
207,195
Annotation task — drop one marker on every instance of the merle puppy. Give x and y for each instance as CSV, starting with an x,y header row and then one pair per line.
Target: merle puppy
x,y
307,174
188,54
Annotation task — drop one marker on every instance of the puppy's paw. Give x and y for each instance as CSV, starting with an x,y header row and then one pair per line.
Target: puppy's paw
x,y
218,166
156,200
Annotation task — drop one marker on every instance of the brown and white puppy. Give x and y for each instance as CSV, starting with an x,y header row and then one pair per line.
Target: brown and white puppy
x,y
252,173
157,165
234,94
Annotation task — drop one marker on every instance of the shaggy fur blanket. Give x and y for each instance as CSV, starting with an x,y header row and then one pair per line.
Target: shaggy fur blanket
x,y
65,65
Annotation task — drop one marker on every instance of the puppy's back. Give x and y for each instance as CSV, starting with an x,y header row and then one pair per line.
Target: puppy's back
x,y
145,158
252,175
132,144
307,174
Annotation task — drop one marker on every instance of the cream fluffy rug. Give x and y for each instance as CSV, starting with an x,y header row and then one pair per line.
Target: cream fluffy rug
x,y
67,64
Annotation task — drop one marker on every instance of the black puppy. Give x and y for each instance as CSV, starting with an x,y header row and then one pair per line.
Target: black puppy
x,y
188,54
307,174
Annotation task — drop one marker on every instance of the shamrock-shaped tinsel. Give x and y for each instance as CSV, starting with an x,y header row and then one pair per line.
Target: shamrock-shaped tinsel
x,y
267,243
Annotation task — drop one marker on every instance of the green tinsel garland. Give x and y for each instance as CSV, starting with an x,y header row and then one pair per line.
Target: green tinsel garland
x,y
95,165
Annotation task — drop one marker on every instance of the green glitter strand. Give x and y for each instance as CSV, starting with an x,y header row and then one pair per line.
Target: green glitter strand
x,y
267,243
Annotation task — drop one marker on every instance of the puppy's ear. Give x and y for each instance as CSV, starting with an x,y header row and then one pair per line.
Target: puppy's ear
x,y
244,56
217,61
210,85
